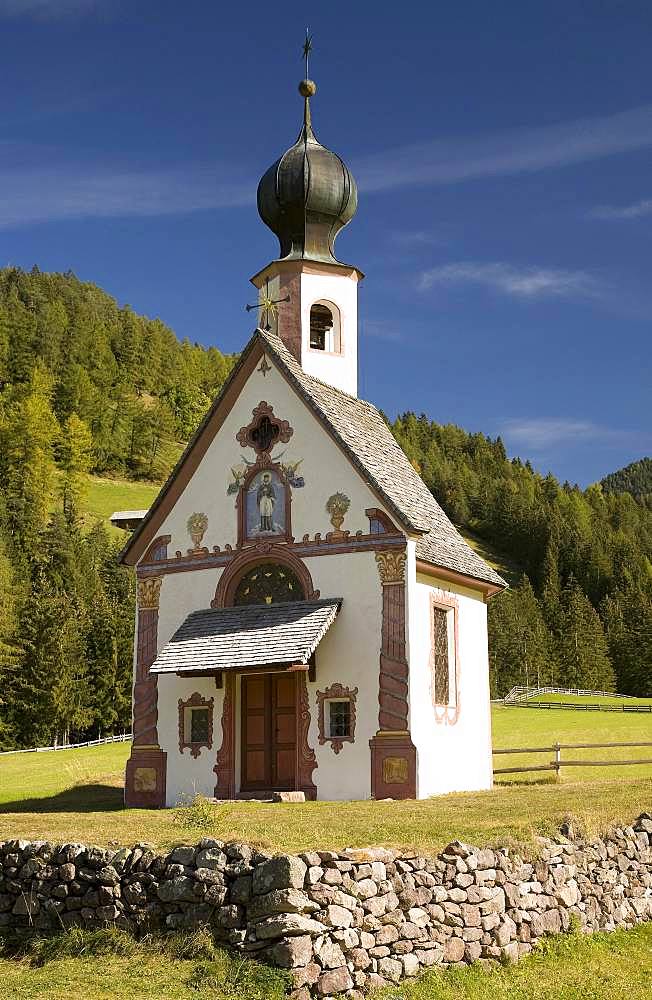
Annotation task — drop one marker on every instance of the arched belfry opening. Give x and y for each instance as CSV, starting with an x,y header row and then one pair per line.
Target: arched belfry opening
x,y
325,331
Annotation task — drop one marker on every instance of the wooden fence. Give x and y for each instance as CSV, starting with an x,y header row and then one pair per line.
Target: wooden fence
x,y
121,738
557,764
522,693
579,706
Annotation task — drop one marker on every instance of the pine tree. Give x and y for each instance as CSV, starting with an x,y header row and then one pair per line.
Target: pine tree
x,y
581,644
628,624
75,460
520,645
49,695
28,438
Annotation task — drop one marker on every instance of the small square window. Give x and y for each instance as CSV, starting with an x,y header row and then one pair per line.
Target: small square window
x,y
195,724
376,527
339,716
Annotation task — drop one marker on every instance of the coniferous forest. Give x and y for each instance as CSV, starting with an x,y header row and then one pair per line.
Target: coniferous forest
x,y
85,387
89,387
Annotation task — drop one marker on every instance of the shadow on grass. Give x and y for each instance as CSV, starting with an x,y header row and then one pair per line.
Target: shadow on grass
x,y
79,799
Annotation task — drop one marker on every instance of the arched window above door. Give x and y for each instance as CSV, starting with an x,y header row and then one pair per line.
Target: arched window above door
x,y
268,583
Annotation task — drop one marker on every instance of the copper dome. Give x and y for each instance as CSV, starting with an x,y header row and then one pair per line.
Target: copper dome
x,y
308,195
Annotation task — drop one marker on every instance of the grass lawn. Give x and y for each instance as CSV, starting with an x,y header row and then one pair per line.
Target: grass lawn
x,y
536,727
110,966
77,795
108,495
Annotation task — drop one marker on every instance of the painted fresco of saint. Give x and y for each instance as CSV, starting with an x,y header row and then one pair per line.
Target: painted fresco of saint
x,y
266,500
265,505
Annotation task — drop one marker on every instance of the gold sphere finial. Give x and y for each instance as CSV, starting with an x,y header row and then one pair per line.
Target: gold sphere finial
x,y
307,88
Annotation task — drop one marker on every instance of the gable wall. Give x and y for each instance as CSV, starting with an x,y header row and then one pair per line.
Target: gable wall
x,y
325,468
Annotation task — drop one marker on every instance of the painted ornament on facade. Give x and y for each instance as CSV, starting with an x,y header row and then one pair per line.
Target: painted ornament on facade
x,y
197,525
337,505
265,505
289,470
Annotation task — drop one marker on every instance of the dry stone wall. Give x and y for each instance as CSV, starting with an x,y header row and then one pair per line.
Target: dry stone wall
x,y
343,923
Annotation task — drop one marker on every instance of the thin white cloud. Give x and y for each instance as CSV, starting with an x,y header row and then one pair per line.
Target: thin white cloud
x,y
30,196
545,432
416,238
615,212
524,283
524,150
381,329
542,434
51,9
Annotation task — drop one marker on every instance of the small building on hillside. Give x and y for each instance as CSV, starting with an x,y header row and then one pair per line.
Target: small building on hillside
x,y
308,617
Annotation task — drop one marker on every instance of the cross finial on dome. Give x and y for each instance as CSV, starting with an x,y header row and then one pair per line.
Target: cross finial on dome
x,y
307,87
307,49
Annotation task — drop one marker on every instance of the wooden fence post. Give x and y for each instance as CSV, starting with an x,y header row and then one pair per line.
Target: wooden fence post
x,y
557,760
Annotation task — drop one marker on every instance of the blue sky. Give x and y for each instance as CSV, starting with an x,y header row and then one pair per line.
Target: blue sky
x,y
503,154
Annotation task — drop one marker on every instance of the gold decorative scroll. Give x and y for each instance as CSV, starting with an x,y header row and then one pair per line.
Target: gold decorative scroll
x,y
149,589
391,566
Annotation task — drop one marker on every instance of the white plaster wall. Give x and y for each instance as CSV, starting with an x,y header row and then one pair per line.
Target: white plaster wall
x,y
325,468
187,776
350,655
340,370
181,594
452,755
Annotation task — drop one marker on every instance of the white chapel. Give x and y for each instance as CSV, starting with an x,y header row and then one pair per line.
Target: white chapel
x,y
308,618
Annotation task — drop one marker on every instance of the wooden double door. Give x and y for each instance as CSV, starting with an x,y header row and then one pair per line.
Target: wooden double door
x,y
269,732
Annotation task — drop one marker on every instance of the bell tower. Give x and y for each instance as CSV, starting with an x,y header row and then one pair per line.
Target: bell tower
x,y
308,297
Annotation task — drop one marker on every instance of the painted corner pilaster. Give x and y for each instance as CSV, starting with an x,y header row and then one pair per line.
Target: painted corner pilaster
x,y
146,767
393,754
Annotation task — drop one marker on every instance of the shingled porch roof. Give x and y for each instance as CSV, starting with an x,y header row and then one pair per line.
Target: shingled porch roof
x,y
247,636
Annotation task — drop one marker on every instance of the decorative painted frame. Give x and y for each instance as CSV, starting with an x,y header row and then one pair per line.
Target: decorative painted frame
x,y
336,692
241,506
375,514
445,713
157,551
195,701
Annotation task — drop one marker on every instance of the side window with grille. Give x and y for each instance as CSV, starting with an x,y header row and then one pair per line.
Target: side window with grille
x,y
443,655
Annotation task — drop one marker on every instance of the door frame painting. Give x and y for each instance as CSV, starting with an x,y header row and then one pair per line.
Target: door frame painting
x,y
247,534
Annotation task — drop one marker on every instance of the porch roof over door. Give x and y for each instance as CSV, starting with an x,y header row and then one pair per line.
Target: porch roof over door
x,y
250,635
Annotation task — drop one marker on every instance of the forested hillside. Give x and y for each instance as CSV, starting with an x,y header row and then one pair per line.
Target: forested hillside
x,y
635,479
582,613
88,386
85,386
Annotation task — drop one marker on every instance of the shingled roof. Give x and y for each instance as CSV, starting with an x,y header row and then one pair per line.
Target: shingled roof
x,y
249,635
363,433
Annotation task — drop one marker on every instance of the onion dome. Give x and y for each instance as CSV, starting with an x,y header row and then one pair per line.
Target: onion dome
x,y
308,195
